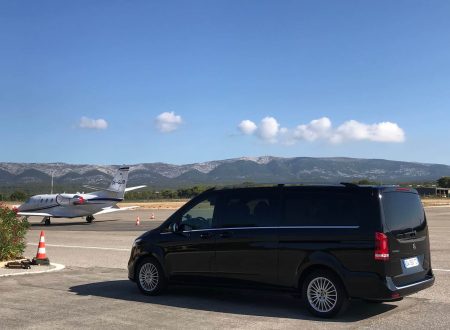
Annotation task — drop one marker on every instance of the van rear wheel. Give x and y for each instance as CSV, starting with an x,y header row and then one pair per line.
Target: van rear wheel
x,y
324,294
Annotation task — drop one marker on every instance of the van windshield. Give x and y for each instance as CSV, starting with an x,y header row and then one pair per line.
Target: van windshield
x,y
402,210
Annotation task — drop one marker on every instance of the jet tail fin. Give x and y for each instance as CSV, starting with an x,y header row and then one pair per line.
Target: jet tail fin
x,y
119,182
117,188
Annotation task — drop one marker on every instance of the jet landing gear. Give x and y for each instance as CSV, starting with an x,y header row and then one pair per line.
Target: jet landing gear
x,y
46,221
90,218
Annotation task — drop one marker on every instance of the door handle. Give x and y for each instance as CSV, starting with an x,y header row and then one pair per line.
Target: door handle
x,y
225,234
205,236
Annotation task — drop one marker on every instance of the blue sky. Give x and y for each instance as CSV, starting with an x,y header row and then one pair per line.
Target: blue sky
x,y
123,82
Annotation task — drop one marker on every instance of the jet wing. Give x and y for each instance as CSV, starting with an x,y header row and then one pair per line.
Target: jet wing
x,y
115,209
112,190
30,214
134,188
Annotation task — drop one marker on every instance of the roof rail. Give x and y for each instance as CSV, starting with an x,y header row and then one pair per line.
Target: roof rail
x,y
282,184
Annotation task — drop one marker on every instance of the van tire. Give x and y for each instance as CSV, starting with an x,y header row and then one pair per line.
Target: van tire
x,y
323,294
150,277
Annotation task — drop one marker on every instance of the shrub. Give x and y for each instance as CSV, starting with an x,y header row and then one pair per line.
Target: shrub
x,y
12,234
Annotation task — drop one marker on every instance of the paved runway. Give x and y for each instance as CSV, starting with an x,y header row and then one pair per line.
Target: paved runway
x,y
93,292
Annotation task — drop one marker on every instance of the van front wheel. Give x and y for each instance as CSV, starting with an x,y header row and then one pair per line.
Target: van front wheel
x,y
150,277
324,294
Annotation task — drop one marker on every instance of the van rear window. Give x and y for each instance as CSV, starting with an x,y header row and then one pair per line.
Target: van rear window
x,y
402,210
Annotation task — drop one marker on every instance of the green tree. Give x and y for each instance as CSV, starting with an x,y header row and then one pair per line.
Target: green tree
x,y
18,196
444,182
365,182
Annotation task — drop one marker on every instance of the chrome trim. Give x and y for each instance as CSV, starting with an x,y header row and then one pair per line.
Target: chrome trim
x,y
280,227
319,227
393,287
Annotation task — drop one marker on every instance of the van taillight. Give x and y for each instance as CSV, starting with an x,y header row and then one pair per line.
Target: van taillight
x,y
381,247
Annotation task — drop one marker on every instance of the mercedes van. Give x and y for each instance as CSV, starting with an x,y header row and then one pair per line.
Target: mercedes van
x,y
329,243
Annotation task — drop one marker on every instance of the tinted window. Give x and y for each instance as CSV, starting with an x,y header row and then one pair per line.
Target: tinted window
x,y
402,210
322,209
200,216
248,210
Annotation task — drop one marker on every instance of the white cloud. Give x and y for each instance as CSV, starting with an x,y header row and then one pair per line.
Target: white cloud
x,y
381,132
268,129
247,127
316,129
322,129
86,122
167,122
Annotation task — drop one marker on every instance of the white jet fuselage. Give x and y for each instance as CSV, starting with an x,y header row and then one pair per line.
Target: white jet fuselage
x,y
69,205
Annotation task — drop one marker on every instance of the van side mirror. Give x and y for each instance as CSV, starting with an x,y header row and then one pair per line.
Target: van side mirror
x,y
174,227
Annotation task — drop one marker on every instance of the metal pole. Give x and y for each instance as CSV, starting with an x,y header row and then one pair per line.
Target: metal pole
x,y
51,191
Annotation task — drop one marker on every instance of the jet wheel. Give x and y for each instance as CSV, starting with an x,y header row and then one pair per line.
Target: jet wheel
x,y
89,219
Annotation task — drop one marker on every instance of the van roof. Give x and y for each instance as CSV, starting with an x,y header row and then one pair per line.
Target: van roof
x,y
383,188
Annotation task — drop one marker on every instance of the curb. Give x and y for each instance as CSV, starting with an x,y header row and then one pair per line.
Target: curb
x,y
58,267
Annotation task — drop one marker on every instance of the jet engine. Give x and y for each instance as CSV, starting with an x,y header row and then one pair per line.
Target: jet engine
x,y
77,200
70,200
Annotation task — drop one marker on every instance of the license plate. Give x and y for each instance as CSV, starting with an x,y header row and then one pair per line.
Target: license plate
x,y
411,262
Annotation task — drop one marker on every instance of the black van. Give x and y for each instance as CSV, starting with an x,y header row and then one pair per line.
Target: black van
x,y
331,243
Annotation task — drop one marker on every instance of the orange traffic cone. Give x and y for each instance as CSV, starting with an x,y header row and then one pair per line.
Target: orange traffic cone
x,y
138,221
152,216
41,257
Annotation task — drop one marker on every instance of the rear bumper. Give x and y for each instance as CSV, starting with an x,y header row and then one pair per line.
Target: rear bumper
x,y
373,287
411,288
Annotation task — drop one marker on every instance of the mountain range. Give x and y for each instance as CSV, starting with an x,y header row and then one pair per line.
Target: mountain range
x,y
264,169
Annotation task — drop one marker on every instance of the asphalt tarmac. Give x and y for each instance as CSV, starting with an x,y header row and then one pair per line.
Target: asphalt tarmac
x,y
94,292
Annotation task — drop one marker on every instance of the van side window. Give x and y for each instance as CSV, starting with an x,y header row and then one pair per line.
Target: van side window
x,y
243,210
317,209
200,216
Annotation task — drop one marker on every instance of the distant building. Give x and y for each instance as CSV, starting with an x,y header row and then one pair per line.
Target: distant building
x,y
433,191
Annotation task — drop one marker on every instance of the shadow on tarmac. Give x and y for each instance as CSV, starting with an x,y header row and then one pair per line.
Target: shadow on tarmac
x,y
226,300
71,223
97,225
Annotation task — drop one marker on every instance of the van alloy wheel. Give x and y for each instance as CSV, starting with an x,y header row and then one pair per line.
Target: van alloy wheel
x,y
322,294
150,277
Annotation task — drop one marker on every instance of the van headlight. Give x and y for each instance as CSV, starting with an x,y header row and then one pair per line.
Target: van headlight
x,y
136,242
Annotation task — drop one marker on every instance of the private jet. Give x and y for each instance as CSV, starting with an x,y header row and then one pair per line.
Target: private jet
x,y
80,204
